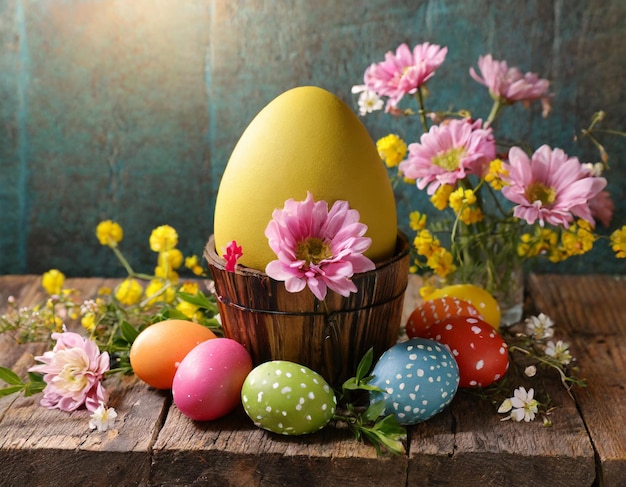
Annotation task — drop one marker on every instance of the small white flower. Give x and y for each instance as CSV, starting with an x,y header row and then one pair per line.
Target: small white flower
x,y
559,351
88,306
530,371
594,169
369,101
540,327
522,405
102,418
506,406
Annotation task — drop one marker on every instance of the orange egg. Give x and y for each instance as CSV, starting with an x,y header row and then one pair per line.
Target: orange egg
x,y
479,297
431,312
158,350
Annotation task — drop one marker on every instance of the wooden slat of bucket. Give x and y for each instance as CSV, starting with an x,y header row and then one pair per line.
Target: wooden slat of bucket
x,y
329,337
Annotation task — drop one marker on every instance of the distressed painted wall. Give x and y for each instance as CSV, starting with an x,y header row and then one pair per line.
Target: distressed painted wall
x,y
129,109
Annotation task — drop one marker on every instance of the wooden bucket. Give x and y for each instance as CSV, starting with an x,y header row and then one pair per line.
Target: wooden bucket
x,y
329,337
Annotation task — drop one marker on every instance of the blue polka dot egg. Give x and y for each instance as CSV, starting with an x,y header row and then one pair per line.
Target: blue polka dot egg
x,y
419,378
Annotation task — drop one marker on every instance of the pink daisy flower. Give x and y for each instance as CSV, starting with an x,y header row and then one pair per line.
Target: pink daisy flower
x,y
509,84
550,187
317,248
73,371
404,72
449,152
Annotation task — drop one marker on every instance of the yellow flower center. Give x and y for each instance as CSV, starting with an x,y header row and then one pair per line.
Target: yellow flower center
x,y
313,250
450,159
541,192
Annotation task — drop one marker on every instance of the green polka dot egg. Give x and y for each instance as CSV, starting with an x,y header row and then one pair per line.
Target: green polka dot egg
x,y
287,398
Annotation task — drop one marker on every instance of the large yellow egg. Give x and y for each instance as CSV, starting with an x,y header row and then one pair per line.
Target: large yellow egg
x,y
306,139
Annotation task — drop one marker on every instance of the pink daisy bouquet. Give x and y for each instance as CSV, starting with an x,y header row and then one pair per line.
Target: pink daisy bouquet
x,y
501,204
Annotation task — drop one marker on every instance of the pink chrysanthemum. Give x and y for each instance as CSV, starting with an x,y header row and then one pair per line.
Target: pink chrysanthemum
x,y
509,84
448,152
73,371
550,187
404,72
317,248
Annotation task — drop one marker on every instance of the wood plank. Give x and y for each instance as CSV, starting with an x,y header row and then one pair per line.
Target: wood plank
x,y
468,441
232,451
154,444
60,441
592,310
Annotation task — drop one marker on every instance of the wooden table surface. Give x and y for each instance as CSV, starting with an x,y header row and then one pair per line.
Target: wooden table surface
x,y
467,444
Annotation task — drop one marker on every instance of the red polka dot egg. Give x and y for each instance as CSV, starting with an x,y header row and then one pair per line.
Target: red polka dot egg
x,y
479,350
431,312
479,297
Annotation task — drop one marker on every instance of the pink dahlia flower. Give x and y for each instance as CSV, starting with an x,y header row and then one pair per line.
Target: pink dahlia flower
x,y
550,187
509,84
449,152
317,248
73,371
404,72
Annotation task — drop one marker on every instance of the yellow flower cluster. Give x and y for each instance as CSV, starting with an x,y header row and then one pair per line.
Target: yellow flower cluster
x,y
392,150
496,174
438,258
52,281
109,233
161,287
463,203
618,242
578,239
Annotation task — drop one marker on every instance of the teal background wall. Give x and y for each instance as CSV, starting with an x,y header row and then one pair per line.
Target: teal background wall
x,y
129,109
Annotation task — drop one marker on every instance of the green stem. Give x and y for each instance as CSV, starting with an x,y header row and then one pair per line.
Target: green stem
x,y
122,259
422,111
495,110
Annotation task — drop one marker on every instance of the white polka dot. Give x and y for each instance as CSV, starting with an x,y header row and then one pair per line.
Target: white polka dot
x,y
311,395
413,356
480,364
476,330
275,385
420,373
285,390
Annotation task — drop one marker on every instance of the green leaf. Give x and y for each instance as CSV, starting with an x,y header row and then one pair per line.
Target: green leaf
x,y
129,332
365,365
34,388
7,391
199,299
10,377
374,411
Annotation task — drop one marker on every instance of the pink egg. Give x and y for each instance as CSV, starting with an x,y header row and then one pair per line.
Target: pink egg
x,y
479,350
207,384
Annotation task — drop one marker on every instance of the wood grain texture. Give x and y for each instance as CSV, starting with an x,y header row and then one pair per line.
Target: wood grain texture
x,y
597,333
153,444
329,337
